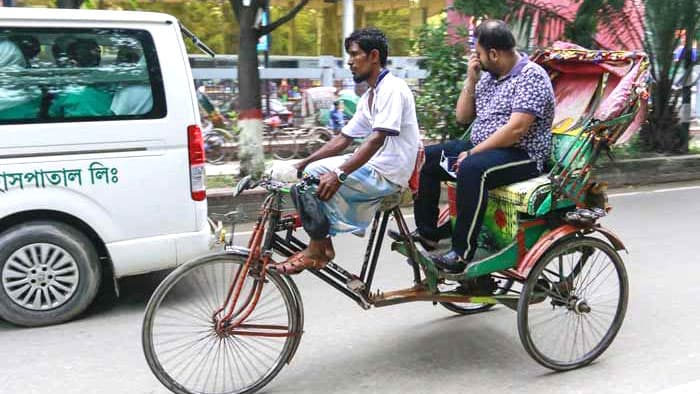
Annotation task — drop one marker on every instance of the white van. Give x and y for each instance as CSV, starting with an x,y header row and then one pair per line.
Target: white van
x,y
101,156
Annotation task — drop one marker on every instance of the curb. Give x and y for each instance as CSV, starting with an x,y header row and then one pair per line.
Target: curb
x,y
622,173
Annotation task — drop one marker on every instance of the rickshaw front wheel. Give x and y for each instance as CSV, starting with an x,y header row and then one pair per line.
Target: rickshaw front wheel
x,y
573,303
189,353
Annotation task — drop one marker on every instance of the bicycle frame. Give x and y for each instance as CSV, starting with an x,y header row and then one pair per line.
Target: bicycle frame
x,y
275,233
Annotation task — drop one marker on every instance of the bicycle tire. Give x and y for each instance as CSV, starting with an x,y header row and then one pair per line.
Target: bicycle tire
x,y
567,298
214,144
281,146
156,312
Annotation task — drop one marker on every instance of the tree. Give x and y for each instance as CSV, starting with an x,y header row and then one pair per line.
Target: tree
x,y
69,3
248,13
589,15
667,22
437,99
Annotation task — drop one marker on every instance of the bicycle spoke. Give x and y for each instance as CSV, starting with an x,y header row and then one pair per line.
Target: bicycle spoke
x,y
585,281
184,338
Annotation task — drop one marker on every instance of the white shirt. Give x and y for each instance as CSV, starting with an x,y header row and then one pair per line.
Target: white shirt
x,y
393,112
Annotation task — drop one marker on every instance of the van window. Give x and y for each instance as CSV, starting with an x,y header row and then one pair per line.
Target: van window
x,y
68,75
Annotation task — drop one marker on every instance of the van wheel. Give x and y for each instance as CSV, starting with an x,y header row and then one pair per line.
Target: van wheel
x,y
49,273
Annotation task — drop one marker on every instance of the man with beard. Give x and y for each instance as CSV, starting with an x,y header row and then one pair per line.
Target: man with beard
x,y
513,104
352,186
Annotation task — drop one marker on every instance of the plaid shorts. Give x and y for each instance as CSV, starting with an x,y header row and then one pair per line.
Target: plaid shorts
x,y
353,206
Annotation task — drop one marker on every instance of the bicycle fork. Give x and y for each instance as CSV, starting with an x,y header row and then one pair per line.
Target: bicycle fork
x,y
234,314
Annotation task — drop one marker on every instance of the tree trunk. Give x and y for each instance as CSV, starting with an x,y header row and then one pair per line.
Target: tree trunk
x,y
69,3
690,14
250,119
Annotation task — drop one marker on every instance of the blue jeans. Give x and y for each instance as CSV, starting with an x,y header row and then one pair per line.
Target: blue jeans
x,y
477,174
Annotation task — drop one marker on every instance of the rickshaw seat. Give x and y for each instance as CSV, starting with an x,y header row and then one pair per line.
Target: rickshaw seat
x,y
393,200
526,196
405,196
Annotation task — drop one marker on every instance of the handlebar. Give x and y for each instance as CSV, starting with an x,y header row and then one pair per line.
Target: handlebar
x,y
271,185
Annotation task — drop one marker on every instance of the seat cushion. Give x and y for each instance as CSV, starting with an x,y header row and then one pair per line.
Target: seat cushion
x,y
524,196
404,197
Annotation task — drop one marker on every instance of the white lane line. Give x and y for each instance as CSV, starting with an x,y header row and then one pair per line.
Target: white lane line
x,y
673,189
687,388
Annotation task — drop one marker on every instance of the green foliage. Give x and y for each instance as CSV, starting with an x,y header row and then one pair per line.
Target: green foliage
x,y
305,32
664,20
483,8
395,23
584,27
581,31
210,20
447,68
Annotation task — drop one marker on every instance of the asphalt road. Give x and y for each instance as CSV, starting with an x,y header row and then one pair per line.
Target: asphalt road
x,y
415,348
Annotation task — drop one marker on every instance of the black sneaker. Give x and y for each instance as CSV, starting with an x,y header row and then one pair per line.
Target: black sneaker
x,y
428,244
450,262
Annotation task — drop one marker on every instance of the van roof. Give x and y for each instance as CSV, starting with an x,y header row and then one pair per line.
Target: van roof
x,y
56,14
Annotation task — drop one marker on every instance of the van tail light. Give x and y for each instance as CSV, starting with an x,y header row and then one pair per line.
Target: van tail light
x,y
195,147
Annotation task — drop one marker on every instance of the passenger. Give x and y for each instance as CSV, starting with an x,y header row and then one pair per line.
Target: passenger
x,y
132,99
17,101
352,186
59,50
335,118
11,56
81,100
510,140
30,47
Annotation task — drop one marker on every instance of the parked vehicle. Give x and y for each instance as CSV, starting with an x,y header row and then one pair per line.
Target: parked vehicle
x,y
102,161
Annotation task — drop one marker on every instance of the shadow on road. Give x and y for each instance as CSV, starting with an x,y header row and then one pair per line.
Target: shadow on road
x,y
135,291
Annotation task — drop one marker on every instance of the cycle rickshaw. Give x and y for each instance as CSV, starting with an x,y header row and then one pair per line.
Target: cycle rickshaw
x,y
225,324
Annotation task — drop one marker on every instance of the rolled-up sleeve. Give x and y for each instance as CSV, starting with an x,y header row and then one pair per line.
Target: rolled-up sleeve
x,y
533,94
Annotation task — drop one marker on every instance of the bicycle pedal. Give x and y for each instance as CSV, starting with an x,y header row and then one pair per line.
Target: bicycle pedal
x,y
356,285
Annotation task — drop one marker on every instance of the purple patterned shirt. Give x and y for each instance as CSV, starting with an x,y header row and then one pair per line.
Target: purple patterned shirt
x,y
526,88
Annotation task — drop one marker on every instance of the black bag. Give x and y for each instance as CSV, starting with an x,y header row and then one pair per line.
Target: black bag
x,y
307,204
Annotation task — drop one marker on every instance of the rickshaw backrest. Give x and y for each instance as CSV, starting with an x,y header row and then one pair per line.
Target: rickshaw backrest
x,y
592,87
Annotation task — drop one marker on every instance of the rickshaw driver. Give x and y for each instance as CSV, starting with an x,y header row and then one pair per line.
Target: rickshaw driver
x,y
352,186
510,140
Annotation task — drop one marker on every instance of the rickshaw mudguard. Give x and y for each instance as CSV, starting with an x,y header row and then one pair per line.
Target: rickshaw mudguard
x,y
558,234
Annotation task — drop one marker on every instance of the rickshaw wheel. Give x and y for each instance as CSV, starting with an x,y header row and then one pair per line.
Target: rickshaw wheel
x,y
283,144
466,308
573,303
187,351
214,144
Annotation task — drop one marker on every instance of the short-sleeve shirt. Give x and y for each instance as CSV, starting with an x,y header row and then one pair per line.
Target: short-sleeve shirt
x,y
526,88
393,112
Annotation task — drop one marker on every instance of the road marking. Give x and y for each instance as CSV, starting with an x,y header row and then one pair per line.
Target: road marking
x,y
666,190
673,189
687,388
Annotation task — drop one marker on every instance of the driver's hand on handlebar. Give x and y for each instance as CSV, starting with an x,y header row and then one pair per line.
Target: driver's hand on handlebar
x,y
300,169
327,186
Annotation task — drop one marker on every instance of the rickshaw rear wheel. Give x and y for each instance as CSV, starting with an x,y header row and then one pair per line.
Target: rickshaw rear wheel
x,y
187,353
573,303
466,308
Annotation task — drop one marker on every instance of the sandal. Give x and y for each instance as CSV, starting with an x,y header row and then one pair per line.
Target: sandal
x,y
297,263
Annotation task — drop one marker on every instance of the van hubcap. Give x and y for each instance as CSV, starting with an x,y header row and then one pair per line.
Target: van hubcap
x,y
40,276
